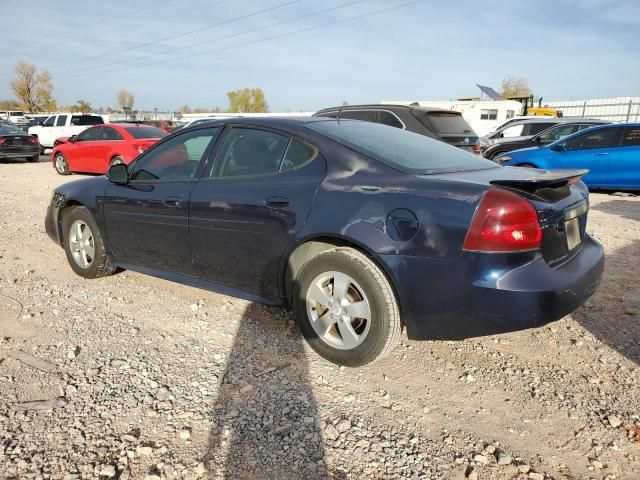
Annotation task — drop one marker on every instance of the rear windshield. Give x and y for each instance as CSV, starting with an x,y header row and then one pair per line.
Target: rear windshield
x,y
443,122
407,151
86,120
145,132
10,130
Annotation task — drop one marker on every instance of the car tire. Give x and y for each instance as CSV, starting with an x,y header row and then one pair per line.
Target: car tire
x,y
116,160
526,165
493,155
34,159
323,318
61,165
84,245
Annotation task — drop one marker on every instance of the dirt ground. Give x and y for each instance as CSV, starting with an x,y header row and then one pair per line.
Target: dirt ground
x,y
149,379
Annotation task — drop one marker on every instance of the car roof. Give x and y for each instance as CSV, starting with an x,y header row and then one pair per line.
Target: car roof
x,y
387,106
595,127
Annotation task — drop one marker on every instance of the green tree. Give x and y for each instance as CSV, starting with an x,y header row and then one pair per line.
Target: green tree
x,y
247,100
33,89
515,87
83,106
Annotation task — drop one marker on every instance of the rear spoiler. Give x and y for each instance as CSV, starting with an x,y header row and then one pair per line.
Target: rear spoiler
x,y
538,179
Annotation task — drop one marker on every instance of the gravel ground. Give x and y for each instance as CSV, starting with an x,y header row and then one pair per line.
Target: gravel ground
x,y
134,377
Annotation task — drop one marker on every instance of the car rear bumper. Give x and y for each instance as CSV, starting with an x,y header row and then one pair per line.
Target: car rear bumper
x,y
19,152
483,294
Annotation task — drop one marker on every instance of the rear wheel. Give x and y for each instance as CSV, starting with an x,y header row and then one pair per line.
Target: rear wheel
x,y
61,165
116,160
346,308
83,244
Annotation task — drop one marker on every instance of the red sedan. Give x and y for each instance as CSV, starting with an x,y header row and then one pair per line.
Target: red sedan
x,y
98,147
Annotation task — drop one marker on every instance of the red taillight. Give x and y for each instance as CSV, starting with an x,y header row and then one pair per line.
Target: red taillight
x,y
33,140
503,222
476,147
2,140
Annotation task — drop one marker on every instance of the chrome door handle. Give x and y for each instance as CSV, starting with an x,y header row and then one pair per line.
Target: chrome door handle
x,y
173,202
277,201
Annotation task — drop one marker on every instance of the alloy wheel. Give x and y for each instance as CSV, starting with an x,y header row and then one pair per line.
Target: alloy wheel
x,y
81,244
338,310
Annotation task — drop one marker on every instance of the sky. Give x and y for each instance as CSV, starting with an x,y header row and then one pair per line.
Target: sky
x,y
306,55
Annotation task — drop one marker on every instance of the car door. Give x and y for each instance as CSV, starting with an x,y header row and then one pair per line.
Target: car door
x,y
590,149
249,206
109,139
80,156
146,220
624,161
46,133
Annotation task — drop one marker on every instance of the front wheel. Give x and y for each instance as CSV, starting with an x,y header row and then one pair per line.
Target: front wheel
x,y
83,244
346,308
61,165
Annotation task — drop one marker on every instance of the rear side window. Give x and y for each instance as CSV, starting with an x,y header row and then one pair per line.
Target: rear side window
x,y
251,152
388,118
631,137
61,121
406,151
145,132
107,133
535,128
591,139
443,122
556,133
79,120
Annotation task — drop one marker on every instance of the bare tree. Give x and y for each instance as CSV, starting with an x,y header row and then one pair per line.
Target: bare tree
x,y
515,87
125,99
33,90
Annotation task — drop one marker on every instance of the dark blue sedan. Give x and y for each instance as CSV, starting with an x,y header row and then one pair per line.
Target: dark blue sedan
x,y
611,153
363,229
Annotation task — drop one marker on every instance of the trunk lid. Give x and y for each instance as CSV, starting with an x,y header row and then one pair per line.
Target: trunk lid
x,y
560,199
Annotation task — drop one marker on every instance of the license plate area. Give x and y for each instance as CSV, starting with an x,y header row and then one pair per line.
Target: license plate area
x,y
572,230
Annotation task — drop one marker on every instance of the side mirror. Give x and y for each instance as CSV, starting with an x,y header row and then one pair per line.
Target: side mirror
x,y
72,139
558,148
118,174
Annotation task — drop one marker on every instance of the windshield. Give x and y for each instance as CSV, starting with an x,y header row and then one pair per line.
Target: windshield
x,y
16,114
145,132
10,130
407,151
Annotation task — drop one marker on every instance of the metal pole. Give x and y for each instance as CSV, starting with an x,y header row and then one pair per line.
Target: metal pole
x,y
584,108
629,110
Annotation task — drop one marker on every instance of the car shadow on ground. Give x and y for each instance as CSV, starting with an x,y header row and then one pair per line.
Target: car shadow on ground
x,y
265,420
613,313
622,208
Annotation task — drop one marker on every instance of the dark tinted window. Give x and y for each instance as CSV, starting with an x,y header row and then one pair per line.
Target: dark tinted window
x,y
10,130
535,128
406,151
328,114
490,114
598,138
364,115
107,133
630,137
61,121
443,122
556,133
145,132
296,155
388,118
86,120
175,160
89,134
49,122
249,152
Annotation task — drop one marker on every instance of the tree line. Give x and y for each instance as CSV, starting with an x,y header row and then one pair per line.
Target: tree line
x,y
33,91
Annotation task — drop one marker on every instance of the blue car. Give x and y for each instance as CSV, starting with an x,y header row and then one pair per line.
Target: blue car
x,y
362,229
611,153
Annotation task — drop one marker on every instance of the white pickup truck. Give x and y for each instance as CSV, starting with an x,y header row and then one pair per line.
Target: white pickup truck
x,y
14,116
63,125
